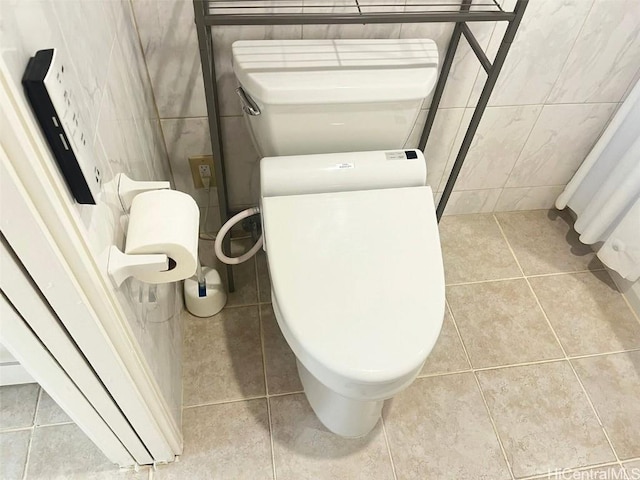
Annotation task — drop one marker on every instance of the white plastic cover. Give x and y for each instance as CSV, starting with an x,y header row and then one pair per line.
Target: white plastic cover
x,y
341,172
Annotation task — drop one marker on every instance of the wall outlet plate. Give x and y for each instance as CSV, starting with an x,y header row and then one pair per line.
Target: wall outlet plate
x,y
55,105
198,161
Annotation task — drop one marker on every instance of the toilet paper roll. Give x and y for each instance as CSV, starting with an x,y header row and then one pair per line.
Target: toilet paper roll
x,y
165,221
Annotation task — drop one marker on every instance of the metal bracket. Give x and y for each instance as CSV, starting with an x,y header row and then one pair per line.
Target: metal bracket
x,y
128,189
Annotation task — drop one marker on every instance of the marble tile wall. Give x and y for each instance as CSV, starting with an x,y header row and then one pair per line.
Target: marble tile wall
x,y
99,41
569,68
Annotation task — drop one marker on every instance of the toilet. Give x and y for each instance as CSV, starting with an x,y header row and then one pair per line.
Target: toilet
x,y
349,223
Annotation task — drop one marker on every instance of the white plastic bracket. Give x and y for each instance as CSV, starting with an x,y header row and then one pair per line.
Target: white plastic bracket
x,y
128,189
122,266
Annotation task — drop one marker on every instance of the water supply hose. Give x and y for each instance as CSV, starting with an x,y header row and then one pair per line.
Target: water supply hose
x,y
223,233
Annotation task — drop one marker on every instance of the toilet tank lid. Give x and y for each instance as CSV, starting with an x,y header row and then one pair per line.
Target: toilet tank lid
x,y
336,71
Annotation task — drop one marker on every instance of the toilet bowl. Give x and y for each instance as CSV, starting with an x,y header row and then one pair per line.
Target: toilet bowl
x,y
349,225
357,279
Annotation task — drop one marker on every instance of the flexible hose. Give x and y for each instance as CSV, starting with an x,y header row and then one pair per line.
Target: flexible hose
x,y
223,233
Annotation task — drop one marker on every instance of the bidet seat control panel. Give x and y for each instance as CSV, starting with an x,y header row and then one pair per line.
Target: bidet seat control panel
x,y
402,155
48,88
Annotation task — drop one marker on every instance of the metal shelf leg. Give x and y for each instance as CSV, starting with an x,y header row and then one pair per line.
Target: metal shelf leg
x,y
205,42
490,83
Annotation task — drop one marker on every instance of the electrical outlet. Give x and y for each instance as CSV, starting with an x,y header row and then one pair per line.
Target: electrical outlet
x,y
201,167
205,171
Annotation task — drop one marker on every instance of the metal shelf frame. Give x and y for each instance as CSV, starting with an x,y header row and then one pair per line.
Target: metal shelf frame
x,y
211,13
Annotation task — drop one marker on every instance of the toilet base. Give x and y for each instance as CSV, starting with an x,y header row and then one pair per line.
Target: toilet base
x,y
344,416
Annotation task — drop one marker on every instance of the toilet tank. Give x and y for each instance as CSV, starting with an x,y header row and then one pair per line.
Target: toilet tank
x,y
326,96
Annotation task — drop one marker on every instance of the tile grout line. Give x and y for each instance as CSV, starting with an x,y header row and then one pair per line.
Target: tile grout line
x,y
493,424
476,282
455,325
273,453
276,395
524,364
16,429
521,151
246,305
595,411
266,382
591,355
444,374
566,357
236,400
484,400
35,411
491,213
259,297
224,402
47,425
28,457
432,375
588,270
538,275
626,300
33,431
386,441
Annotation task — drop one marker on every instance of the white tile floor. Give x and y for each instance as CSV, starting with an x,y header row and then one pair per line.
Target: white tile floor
x,y
537,369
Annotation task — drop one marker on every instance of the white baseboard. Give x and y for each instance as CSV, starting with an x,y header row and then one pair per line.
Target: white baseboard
x,y
14,374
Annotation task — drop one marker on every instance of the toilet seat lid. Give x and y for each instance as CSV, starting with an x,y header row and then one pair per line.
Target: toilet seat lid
x,y
358,279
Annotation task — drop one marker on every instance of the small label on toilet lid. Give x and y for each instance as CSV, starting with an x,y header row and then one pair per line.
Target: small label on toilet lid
x,y
396,155
342,166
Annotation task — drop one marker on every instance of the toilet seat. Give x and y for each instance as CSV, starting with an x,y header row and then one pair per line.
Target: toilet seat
x,y
358,282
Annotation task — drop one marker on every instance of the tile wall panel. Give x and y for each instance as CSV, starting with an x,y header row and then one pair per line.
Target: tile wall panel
x,y
605,56
561,138
541,47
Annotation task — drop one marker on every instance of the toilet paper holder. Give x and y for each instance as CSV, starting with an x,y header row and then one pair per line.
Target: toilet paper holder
x,y
120,265
128,189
